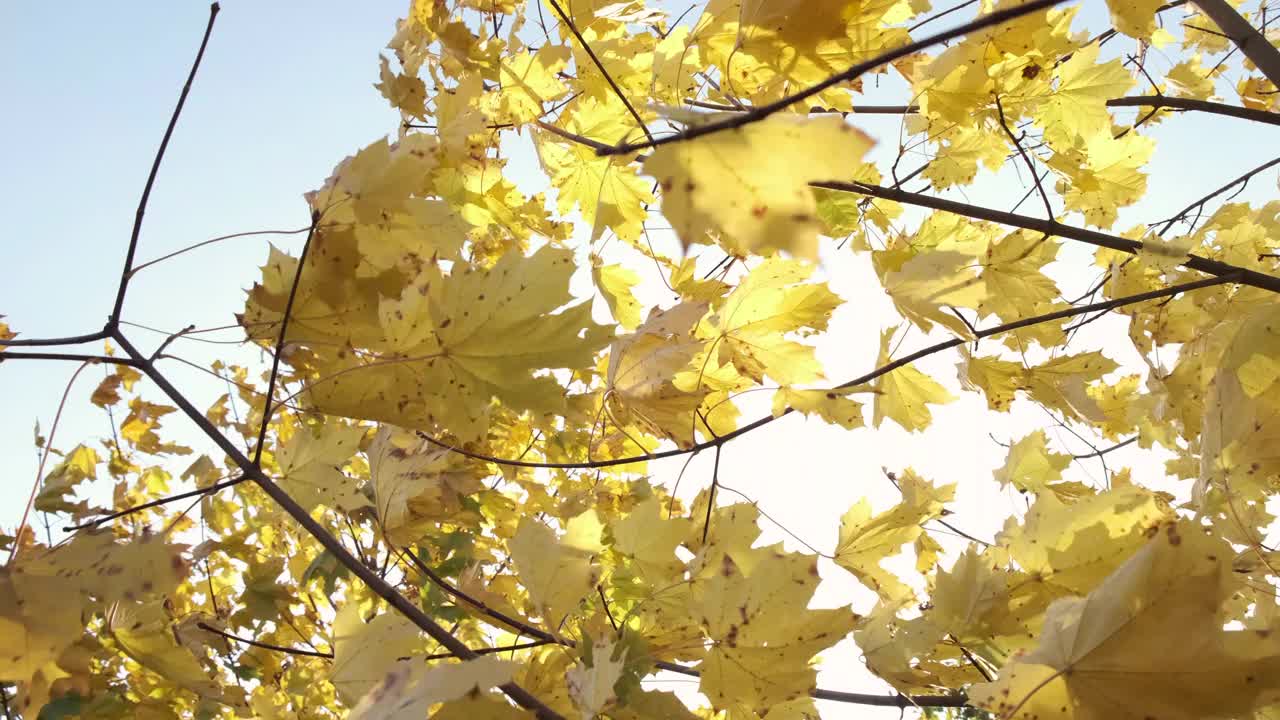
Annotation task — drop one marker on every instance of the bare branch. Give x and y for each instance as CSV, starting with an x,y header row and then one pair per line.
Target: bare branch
x,y
1252,43
1162,101
156,503
600,66
155,169
265,646
279,349
1050,227
74,357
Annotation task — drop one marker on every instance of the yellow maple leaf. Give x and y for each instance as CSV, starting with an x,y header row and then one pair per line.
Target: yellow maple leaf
x,y
930,282
748,187
607,190
414,486
615,283
1135,18
1103,175
1030,466
753,607
904,394
1074,544
749,331
557,574
1076,109
365,652
640,382
529,80
834,405
1148,642
451,343
1241,436
591,687
865,539
145,633
407,692
311,464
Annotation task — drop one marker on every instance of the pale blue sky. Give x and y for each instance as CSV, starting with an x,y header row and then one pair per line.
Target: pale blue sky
x,y
285,92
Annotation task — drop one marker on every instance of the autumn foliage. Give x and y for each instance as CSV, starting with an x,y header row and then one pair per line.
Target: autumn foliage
x,y
436,496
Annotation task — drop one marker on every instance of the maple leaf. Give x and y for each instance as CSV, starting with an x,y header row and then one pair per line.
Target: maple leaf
x,y
749,331
1147,642
364,653
865,540
643,366
592,687
1076,110
753,608
558,573
311,465
615,283
414,486
450,343
408,691
1031,467
748,187
903,395
608,192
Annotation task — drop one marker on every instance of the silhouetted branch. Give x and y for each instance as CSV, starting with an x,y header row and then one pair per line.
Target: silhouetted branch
x,y
1162,101
125,274
156,503
1050,227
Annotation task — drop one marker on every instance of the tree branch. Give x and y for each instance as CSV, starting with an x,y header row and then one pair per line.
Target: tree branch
x,y
114,318
1235,276
1104,451
265,646
762,111
326,539
1051,227
279,349
545,637
156,503
211,241
1251,42
1243,179
46,342
74,357
1159,101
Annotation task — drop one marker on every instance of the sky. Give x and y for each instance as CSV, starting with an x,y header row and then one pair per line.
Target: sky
x,y
285,92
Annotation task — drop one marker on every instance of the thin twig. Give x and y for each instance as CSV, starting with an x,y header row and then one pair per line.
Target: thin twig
x,y
155,170
279,349
265,646
211,241
1048,209
156,503
1243,179
44,458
